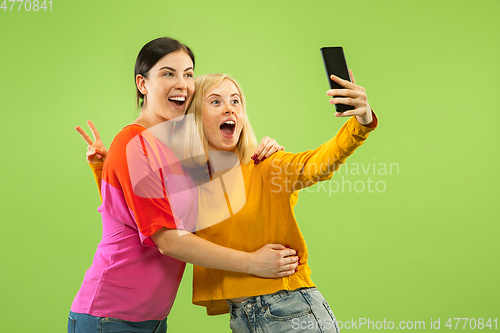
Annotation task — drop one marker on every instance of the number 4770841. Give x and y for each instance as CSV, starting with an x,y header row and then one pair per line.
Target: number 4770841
x,y
473,323
29,5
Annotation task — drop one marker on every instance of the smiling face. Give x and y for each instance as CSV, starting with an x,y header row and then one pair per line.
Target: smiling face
x,y
169,86
223,116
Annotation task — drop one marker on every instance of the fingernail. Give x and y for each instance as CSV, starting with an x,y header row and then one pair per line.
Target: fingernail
x,y
299,259
296,269
263,159
287,247
256,162
254,157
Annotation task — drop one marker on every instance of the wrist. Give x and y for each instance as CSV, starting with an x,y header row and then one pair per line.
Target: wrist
x,y
365,120
248,263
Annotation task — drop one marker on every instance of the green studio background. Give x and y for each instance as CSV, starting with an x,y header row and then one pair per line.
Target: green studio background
x,y
406,231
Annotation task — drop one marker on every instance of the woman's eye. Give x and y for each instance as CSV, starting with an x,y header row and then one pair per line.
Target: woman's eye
x,y
168,74
236,101
215,102
189,75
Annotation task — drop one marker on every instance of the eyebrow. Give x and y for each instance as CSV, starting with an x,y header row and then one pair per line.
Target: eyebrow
x,y
214,94
173,70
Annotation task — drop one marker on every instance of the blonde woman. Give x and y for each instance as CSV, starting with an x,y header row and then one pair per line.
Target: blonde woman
x,y
271,191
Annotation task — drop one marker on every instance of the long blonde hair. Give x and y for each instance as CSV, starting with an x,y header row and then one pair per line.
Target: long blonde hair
x,y
190,134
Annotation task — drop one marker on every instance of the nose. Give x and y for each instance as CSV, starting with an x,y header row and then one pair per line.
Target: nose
x,y
228,109
180,84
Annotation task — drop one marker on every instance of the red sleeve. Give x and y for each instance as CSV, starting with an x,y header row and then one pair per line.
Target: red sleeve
x,y
138,164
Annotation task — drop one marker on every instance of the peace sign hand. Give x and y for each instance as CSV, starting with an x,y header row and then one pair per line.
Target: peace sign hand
x,y
96,150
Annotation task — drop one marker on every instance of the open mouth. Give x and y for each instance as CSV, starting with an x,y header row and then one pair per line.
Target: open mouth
x,y
177,101
227,128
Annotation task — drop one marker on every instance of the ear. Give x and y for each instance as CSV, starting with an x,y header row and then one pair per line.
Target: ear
x,y
140,82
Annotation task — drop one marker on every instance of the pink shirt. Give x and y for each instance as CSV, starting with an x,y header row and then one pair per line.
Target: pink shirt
x,y
143,189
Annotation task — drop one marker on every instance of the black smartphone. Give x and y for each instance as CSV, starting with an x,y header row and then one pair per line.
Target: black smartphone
x,y
334,61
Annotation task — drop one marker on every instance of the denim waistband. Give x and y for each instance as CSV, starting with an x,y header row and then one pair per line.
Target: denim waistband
x,y
266,300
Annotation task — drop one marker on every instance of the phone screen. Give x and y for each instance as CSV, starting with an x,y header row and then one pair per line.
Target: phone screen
x,y
334,61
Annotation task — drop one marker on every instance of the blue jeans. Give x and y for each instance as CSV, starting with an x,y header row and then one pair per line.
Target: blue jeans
x,y
301,310
85,323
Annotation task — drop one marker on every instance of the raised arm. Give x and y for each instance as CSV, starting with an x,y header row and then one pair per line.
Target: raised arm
x,y
296,171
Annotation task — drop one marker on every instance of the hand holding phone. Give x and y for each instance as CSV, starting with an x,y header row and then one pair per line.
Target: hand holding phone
x,y
349,98
334,61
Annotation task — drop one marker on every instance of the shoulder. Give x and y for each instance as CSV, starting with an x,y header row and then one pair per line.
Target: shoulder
x,y
118,148
126,135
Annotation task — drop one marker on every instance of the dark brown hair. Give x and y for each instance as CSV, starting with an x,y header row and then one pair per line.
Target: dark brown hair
x,y
151,53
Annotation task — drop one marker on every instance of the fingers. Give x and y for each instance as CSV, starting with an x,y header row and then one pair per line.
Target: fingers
x,y
84,135
98,153
95,133
354,96
287,253
342,82
352,77
289,269
266,148
286,273
344,93
290,260
276,147
286,262
270,148
261,145
94,155
91,154
345,101
350,113
276,247
265,144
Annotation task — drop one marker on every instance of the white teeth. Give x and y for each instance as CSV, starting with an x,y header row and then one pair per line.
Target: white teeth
x,y
229,122
179,99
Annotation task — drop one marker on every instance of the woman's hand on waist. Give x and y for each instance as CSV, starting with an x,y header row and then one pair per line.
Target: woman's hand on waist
x,y
273,261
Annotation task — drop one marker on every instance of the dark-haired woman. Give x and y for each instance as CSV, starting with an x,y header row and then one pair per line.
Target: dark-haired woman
x,y
132,283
